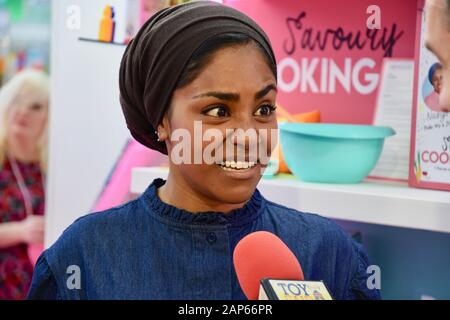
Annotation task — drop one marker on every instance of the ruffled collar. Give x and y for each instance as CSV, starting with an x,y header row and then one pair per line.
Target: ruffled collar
x,y
237,217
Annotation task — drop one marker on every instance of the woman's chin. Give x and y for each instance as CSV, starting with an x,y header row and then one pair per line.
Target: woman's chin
x,y
230,188
236,193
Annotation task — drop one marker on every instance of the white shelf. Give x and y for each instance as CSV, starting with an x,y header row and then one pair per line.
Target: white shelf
x,y
386,203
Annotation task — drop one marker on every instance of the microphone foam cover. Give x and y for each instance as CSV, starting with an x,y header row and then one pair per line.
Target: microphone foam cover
x,y
261,255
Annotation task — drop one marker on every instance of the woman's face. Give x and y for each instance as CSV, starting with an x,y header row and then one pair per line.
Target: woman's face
x,y
237,89
437,80
27,116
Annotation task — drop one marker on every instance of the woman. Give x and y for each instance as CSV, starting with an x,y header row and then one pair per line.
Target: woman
x,y
435,78
23,141
197,63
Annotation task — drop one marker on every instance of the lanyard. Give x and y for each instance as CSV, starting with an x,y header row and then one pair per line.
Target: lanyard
x,y
22,186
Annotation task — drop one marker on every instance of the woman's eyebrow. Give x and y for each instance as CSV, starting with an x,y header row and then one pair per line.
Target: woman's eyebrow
x,y
266,90
227,96
231,96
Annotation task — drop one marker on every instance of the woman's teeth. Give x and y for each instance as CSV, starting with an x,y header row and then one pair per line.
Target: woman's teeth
x,y
237,165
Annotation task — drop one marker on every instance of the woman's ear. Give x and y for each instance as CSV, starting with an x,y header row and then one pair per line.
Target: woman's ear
x,y
163,130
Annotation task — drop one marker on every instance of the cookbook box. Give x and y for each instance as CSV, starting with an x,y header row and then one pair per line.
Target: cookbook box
x,y
430,130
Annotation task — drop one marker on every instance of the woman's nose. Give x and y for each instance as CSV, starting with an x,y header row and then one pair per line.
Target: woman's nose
x,y
244,138
23,111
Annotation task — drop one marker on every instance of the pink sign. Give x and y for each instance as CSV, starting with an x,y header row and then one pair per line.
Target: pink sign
x,y
328,59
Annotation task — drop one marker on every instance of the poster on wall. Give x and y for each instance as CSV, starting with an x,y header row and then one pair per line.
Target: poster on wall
x,y
393,109
430,134
329,57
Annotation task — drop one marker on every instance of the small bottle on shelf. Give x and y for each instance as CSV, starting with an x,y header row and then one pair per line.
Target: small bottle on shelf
x,y
107,25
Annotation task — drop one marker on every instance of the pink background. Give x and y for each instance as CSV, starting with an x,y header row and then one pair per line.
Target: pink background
x,y
341,106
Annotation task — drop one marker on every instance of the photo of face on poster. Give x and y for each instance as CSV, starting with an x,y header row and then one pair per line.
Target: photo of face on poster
x,y
432,87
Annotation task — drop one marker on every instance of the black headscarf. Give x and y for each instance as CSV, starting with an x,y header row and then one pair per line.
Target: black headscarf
x,y
154,60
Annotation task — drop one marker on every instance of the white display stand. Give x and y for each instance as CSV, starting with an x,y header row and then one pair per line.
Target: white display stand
x,y
86,127
378,202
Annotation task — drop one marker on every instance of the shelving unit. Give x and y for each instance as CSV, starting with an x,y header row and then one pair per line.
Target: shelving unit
x,y
101,42
372,201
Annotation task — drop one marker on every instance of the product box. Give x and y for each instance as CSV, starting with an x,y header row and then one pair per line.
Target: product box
x,y
430,130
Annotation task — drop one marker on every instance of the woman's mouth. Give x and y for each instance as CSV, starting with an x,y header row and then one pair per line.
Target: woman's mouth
x,y
241,170
237,165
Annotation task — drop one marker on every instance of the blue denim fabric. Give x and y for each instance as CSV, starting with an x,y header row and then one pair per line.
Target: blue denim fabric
x,y
146,249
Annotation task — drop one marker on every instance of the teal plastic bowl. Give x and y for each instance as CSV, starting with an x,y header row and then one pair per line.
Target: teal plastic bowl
x,y
332,153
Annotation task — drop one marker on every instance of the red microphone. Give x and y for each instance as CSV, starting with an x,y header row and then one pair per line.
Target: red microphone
x,y
262,255
267,269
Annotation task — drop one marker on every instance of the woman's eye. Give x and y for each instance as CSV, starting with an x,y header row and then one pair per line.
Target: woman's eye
x,y
35,106
217,112
265,110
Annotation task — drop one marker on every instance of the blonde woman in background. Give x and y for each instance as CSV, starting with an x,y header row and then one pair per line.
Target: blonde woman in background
x,y
23,157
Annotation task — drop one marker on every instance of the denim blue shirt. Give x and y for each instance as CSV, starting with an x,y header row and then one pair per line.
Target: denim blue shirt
x,y
146,249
